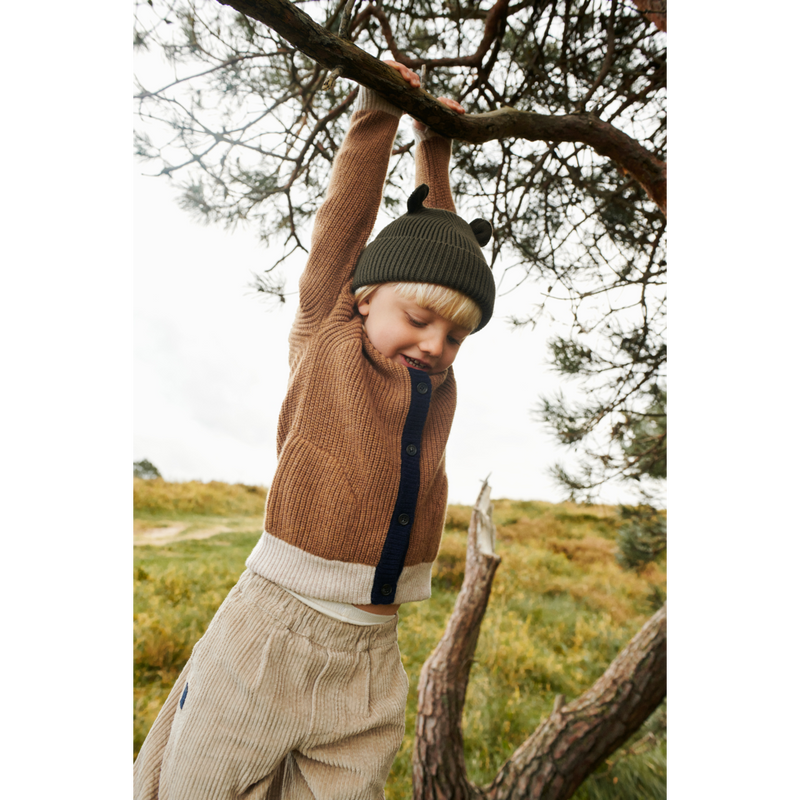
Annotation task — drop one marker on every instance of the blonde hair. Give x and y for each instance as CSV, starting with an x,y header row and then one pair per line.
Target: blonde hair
x,y
449,303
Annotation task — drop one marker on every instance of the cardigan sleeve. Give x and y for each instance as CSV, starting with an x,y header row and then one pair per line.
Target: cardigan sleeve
x,y
347,215
432,157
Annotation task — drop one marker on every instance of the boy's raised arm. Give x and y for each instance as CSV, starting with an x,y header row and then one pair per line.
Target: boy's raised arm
x,y
346,218
432,158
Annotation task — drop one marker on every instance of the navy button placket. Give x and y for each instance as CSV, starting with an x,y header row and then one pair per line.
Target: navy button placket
x,y
395,547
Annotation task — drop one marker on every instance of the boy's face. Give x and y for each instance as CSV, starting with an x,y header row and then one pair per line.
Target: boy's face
x,y
409,335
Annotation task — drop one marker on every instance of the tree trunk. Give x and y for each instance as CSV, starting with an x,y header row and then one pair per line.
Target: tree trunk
x,y
655,11
440,772
333,52
566,747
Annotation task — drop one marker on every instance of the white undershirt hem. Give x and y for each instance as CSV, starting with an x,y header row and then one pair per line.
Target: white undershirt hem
x,y
344,612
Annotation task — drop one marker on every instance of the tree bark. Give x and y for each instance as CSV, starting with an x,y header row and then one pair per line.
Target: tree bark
x,y
655,11
439,769
333,52
566,747
578,736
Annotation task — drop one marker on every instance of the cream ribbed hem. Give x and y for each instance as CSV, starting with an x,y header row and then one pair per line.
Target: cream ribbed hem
x,y
344,612
423,136
323,579
368,100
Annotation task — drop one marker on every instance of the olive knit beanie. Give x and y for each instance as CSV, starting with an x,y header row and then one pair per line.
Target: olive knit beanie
x,y
430,245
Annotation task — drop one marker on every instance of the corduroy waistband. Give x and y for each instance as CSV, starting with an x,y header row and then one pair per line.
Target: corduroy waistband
x,y
303,620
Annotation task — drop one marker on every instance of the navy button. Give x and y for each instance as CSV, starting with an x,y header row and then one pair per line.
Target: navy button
x,y
386,589
403,519
411,449
422,388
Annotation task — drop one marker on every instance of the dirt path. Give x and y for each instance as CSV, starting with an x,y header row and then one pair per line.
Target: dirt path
x,y
176,532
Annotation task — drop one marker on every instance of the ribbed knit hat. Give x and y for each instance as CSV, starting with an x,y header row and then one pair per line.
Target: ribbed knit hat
x,y
430,245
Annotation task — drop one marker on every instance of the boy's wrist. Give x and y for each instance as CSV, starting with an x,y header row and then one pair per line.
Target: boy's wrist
x,y
421,136
368,100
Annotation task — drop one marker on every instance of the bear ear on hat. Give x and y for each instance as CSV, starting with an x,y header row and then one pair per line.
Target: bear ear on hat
x,y
482,229
417,196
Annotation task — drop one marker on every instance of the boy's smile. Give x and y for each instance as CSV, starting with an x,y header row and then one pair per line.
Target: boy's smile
x,y
408,334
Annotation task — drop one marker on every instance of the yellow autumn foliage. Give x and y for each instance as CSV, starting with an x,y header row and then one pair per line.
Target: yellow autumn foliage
x,y
561,609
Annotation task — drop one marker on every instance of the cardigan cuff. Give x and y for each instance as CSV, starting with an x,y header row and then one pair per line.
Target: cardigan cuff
x,y
368,100
423,136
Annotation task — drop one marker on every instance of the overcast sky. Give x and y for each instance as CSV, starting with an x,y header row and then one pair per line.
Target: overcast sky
x,y
211,359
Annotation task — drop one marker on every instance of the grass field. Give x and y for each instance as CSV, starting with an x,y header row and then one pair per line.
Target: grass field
x,y
561,609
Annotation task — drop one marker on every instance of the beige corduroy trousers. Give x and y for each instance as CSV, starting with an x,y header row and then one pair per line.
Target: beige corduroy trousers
x,y
278,701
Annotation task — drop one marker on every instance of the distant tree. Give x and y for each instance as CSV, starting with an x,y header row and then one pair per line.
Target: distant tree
x,y
642,536
144,469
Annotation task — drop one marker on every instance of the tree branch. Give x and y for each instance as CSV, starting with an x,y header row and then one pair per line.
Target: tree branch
x,y
332,52
655,11
494,18
577,736
566,747
439,769
608,61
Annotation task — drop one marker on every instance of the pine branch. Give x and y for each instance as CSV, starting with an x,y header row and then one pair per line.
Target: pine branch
x,y
333,52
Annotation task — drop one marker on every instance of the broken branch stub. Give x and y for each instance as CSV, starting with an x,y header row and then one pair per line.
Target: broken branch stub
x,y
439,768
570,743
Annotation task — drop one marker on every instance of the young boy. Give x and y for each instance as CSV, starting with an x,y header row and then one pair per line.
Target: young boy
x,y
297,689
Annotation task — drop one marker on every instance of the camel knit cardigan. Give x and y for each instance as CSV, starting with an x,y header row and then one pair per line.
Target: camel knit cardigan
x,y
356,508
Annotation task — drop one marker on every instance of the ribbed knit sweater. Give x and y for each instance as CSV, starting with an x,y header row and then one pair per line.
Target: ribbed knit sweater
x,y
356,508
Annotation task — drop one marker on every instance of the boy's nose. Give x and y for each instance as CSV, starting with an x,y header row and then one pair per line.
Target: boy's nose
x,y
432,345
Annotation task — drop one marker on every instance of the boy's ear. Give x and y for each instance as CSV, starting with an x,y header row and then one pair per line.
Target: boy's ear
x,y
482,229
363,307
417,196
